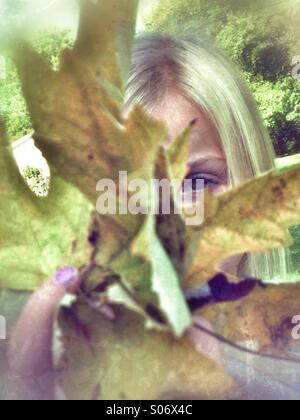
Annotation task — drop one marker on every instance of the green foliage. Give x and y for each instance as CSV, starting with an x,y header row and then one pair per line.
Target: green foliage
x,y
13,108
265,59
186,15
257,44
295,250
50,44
279,103
12,105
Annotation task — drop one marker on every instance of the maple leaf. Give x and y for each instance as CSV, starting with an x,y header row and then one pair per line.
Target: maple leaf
x,y
263,316
79,127
178,154
263,321
252,218
120,360
87,139
132,363
77,111
76,115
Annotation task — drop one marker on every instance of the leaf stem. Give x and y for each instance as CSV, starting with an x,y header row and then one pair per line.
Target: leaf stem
x,y
238,347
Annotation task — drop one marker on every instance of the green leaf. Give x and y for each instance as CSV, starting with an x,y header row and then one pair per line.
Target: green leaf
x,y
165,281
146,267
87,139
96,43
178,154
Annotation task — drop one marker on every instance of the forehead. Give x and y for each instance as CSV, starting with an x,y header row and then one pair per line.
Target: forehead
x,y
177,113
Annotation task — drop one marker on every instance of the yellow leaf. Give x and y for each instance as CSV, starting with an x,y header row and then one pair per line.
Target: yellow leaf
x,y
264,316
252,218
121,360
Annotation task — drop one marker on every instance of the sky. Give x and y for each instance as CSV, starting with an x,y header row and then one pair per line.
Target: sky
x,y
59,13
39,14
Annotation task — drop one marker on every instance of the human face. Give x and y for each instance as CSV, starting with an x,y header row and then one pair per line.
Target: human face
x,y
206,156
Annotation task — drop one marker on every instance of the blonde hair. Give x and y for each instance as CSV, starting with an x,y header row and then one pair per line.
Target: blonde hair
x,y
210,80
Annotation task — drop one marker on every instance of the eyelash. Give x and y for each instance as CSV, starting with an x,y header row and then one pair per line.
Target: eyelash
x,y
209,180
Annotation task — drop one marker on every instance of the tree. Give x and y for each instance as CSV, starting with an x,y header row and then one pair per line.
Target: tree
x,y
13,108
12,105
295,250
263,52
265,59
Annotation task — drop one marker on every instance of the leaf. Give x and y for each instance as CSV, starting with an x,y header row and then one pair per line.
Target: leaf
x,y
116,33
171,228
123,361
165,281
88,140
263,320
178,154
151,275
263,316
38,236
252,218
254,329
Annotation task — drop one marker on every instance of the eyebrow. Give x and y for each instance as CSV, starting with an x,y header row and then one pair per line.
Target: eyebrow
x,y
214,165
204,160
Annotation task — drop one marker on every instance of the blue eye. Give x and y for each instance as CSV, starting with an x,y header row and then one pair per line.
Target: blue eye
x,y
196,181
